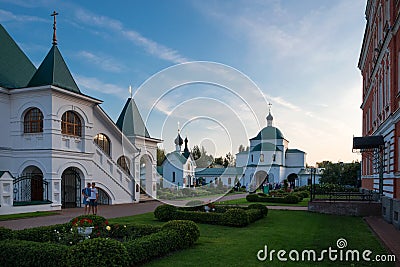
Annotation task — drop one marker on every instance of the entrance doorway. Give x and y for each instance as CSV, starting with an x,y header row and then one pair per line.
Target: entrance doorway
x,y
70,188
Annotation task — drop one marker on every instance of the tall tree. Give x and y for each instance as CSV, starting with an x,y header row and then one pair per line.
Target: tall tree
x,y
242,148
340,173
160,156
196,152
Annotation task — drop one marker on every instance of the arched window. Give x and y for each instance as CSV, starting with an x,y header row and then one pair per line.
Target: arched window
x,y
71,124
103,142
123,162
262,158
33,121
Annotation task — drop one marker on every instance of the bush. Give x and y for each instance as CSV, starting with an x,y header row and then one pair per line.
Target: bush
x,y
188,230
252,198
262,194
303,194
152,246
235,217
291,199
165,212
6,233
261,207
99,252
42,233
131,231
254,215
199,216
29,253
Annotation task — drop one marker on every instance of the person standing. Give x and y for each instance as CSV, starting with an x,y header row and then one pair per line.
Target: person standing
x,y
86,193
94,195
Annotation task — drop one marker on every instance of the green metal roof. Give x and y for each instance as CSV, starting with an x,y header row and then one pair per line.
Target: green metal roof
x,y
15,68
220,171
266,147
269,132
178,155
160,170
54,71
130,122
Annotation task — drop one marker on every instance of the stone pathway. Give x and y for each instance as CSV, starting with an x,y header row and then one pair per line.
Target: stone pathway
x,y
387,233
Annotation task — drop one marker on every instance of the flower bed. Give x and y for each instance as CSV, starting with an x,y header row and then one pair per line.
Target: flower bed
x,y
223,215
288,199
108,245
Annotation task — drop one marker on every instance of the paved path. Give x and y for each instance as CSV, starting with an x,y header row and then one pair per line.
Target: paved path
x,y
387,233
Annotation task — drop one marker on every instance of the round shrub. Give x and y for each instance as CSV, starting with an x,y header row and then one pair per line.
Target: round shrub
x,y
235,217
99,252
304,194
252,198
291,199
261,207
189,231
165,212
5,233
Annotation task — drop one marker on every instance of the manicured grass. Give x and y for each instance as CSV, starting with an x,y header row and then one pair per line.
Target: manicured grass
x,y
243,201
27,215
228,246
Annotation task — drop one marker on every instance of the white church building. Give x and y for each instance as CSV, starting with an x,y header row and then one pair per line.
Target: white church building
x,y
54,139
269,159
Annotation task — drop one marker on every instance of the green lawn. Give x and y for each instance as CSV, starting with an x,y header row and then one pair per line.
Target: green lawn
x,y
243,201
26,215
227,246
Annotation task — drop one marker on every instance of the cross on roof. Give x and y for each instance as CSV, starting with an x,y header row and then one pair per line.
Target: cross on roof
x,y
270,105
54,14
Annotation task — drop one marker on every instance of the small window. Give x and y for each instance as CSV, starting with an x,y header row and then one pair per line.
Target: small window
x,y
173,177
71,124
103,142
262,158
33,121
252,158
124,163
229,181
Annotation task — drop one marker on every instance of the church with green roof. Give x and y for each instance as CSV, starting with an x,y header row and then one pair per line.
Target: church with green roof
x,y
55,139
269,160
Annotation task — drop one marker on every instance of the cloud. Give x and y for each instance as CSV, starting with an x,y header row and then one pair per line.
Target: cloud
x,y
279,100
150,46
94,84
104,62
9,16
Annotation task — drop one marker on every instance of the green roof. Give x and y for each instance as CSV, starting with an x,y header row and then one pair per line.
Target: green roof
x,y
180,157
219,171
15,68
266,147
160,170
130,122
269,132
54,71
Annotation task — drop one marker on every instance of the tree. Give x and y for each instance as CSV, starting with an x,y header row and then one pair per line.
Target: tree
x,y
196,152
340,173
160,156
228,160
242,148
200,156
219,161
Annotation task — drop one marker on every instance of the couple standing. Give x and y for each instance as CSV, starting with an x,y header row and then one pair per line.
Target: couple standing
x,y
90,196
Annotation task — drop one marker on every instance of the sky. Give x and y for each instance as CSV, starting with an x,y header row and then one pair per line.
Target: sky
x,y
299,56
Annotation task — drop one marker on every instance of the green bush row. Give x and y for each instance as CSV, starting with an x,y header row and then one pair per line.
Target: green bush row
x,y
100,252
224,215
289,199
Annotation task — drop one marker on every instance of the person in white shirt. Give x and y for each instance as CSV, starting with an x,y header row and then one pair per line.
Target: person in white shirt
x,y
94,195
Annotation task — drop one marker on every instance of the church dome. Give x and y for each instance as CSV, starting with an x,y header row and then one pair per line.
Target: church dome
x,y
269,117
178,140
269,132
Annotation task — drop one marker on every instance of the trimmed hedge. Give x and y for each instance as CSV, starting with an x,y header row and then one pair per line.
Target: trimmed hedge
x,y
6,233
165,212
42,233
28,253
289,199
99,252
175,235
143,243
223,215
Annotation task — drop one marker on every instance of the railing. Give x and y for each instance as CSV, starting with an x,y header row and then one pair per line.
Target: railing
x,y
30,190
343,196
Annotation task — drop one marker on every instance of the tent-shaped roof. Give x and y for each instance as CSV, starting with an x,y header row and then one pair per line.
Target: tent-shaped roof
x,y
266,147
130,122
15,69
54,71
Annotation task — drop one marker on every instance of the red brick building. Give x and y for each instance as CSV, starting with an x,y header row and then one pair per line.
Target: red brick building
x,y
379,63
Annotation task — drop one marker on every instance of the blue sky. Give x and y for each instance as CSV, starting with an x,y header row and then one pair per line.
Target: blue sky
x,y
302,55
